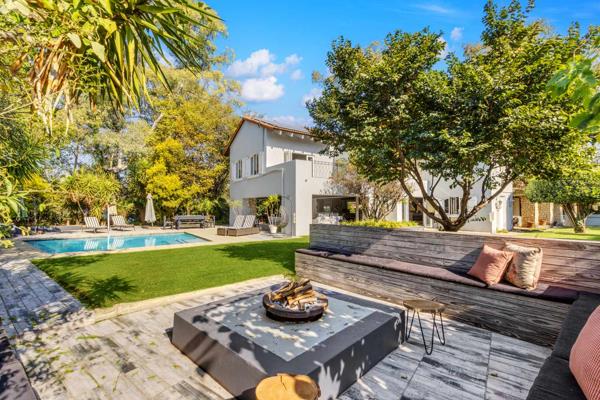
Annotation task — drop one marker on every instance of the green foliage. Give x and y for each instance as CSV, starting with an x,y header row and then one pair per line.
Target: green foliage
x,y
375,223
579,81
478,125
89,192
191,126
376,200
577,191
101,49
11,205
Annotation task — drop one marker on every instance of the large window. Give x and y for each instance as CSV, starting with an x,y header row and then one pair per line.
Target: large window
x,y
452,206
238,169
254,165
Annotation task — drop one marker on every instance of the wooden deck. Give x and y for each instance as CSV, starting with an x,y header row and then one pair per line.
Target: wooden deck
x,y
131,357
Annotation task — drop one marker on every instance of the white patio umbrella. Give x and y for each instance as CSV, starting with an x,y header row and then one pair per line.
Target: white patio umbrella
x,y
149,216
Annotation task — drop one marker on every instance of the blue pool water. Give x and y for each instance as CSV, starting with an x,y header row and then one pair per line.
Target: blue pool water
x,y
54,246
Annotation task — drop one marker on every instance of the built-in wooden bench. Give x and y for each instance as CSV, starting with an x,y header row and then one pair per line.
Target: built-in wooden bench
x,y
397,264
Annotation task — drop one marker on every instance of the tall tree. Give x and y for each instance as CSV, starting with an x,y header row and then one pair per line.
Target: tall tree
x,y
190,127
69,48
478,125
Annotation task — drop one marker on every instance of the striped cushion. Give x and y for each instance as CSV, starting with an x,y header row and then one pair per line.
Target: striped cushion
x,y
239,220
92,222
525,267
249,221
585,357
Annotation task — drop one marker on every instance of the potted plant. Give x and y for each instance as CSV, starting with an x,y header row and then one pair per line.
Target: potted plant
x,y
276,215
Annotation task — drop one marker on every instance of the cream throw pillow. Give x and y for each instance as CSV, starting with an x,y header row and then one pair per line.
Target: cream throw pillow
x,y
525,267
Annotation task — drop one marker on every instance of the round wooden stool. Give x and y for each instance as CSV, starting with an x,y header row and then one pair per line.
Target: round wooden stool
x,y
288,387
419,305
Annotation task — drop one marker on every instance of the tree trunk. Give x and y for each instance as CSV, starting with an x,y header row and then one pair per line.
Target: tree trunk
x,y
575,217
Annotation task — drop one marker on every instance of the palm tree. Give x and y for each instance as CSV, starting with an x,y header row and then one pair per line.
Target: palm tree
x,y
101,49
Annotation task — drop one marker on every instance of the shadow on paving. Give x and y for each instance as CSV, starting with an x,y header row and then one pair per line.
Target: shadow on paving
x,y
273,251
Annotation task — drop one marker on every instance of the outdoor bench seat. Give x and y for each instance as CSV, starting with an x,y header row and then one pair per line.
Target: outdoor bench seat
x,y
555,381
398,264
543,291
14,383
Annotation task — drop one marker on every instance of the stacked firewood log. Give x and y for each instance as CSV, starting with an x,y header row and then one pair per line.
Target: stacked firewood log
x,y
295,294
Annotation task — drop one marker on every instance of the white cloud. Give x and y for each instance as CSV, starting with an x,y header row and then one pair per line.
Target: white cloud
x,y
444,51
313,94
457,33
296,75
251,65
436,8
262,89
293,59
261,63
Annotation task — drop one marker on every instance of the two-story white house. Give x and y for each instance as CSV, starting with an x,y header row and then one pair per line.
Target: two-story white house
x,y
268,158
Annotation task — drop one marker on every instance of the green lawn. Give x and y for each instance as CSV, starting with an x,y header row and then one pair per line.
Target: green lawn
x,y
592,233
106,279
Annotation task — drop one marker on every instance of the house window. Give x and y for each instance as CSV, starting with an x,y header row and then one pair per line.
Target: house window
x,y
254,165
452,205
238,169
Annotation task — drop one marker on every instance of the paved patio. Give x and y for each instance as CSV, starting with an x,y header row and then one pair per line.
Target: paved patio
x,y
131,357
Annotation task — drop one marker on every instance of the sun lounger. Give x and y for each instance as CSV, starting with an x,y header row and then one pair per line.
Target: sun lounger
x,y
118,222
237,223
247,227
91,223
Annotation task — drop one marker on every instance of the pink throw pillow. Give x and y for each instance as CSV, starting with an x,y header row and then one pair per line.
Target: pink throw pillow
x,y
490,265
585,357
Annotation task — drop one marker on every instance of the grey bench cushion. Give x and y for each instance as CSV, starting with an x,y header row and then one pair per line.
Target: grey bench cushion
x,y
576,319
543,291
14,384
555,382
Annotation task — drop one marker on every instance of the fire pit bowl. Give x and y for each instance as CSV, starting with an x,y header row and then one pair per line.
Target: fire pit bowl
x,y
295,302
278,312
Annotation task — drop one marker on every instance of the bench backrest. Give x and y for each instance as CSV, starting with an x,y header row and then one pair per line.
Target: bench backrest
x,y
567,263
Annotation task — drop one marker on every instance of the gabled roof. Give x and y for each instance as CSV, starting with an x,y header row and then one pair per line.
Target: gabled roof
x,y
265,124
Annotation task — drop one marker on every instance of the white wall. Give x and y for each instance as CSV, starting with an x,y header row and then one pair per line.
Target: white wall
x,y
249,141
277,144
293,180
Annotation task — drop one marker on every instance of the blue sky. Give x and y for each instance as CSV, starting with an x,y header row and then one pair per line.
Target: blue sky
x,y
277,44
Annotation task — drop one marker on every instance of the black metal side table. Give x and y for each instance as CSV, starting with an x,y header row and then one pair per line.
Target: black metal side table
x,y
427,306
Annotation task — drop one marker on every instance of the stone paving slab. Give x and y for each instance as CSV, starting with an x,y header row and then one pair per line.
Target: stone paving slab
x,y
131,357
31,301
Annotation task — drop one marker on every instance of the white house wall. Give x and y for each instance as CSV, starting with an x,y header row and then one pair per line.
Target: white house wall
x,y
277,144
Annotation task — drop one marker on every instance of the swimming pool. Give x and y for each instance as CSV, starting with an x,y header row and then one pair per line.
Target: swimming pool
x,y
103,243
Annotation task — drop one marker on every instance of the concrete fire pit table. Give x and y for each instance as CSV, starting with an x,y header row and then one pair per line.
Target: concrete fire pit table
x,y
238,345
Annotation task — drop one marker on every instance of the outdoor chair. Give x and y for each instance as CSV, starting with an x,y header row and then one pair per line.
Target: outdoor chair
x,y
118,222
237,223
92,223
247,227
